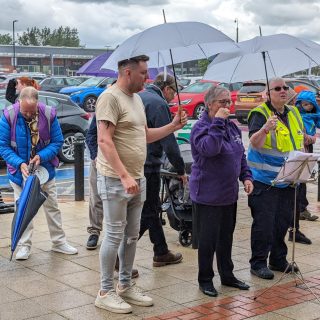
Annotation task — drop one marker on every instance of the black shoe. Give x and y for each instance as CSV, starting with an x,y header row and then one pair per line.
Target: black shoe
x,y
300,237
235,283
134,273
284,268
263,273
209,291
92,242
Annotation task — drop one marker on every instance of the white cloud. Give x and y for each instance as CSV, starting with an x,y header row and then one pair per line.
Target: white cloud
x,y
103,23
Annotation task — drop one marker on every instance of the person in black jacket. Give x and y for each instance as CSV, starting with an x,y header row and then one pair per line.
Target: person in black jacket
x,y
155,99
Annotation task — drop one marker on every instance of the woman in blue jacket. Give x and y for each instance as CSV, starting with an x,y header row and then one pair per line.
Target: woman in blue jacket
x,y
219,162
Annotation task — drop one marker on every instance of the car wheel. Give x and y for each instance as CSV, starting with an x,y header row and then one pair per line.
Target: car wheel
x,y
66,153
198,111
90,103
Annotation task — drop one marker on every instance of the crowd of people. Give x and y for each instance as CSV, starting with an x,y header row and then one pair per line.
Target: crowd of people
x,y
129,134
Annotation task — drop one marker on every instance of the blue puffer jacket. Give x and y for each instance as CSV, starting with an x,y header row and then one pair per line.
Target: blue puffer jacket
x,y
311,120
23,140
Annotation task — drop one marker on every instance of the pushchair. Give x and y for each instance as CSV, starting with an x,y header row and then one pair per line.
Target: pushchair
x,y
175,198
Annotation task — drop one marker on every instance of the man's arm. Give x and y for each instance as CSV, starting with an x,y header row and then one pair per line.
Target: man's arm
x,y
155,134
105,142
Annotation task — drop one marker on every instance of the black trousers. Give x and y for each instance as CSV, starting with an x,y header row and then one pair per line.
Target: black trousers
x,y
150,216
272,212
215,235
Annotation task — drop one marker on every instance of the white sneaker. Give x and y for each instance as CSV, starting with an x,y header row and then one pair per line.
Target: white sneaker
x,y
64,248
23,253
112,302
134,295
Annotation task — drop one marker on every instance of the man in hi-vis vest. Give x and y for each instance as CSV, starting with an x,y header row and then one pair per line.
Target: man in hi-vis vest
x,y
275,129
30,133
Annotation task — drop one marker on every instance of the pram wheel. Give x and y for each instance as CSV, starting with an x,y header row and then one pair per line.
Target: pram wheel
x,y
185,237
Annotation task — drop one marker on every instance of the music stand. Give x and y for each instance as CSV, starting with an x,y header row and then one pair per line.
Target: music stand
x,y
296,169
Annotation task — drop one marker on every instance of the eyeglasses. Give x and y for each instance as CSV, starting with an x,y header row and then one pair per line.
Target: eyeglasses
x,y
225,102
278,89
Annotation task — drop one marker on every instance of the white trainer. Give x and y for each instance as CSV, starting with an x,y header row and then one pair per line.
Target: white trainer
x,y
23,253
134,295
65,248
112,302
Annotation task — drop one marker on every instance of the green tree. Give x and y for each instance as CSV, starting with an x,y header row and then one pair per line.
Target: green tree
x,y
203,65
63,36
5,38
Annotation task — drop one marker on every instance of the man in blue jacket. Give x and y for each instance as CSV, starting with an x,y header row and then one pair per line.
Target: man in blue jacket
x,y
155,99
30,133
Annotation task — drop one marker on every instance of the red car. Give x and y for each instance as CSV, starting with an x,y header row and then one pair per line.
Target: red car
x,y
192,97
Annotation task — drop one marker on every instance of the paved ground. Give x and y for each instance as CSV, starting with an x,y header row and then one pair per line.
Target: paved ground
x,y
53,286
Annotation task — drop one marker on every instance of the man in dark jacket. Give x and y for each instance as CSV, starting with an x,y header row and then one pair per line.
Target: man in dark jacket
x,y
155,99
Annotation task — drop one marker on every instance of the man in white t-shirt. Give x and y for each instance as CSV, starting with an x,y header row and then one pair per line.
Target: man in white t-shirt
x,y
122,138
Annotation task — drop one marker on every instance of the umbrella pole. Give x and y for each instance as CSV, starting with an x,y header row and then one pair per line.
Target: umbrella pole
x,y
11,255
174,71
265,69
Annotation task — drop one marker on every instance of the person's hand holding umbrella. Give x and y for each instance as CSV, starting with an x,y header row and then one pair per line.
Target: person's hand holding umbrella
x,y
24,169
180,120
35,160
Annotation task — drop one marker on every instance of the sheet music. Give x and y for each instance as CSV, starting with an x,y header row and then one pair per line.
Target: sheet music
x,y
297,168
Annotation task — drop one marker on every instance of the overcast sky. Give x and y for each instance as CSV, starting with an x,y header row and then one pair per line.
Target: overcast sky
x,y
102,23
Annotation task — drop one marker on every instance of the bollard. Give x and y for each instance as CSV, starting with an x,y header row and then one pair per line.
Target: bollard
x,y
318,180
79,166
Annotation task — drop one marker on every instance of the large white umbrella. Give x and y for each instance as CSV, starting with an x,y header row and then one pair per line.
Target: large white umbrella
x,y
264,57
186,40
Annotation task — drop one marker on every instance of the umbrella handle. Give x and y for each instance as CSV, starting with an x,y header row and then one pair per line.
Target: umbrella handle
x,y
32,168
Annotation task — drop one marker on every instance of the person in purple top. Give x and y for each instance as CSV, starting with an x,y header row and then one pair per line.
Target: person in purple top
x,y
219,162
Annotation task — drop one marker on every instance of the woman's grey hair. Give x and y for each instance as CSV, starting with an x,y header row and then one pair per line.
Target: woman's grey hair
x,y
29,94
275,79
213,93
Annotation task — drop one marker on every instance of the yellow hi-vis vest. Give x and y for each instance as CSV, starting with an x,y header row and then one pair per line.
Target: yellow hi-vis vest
x,y
266,162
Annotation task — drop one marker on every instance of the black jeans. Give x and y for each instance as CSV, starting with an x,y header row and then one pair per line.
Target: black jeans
x,y
216,226
150,216
272,212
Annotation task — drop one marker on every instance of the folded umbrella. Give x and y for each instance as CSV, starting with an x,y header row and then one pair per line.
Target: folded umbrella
x,y
27,206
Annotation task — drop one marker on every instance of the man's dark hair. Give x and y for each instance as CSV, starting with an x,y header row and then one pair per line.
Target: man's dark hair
x,y
132,61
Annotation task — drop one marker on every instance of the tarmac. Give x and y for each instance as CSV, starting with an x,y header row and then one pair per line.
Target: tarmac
x,y
53,286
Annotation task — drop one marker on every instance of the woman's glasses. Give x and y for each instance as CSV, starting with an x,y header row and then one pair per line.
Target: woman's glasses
x,y
225,102
278,89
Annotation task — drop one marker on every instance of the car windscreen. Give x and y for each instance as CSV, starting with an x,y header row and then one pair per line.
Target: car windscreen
x,y
253,88
198,87
92,82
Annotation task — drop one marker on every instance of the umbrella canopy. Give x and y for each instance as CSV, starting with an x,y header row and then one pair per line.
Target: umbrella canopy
x,y
93,68
27,206
186,40
284,54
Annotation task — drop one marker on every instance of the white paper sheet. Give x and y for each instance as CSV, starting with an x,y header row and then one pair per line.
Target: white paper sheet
x,y
297,168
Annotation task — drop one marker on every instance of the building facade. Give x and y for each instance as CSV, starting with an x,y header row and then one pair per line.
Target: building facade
x,y
47,59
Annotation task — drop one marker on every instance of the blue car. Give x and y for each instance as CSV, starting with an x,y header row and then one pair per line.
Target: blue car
x,y
86,94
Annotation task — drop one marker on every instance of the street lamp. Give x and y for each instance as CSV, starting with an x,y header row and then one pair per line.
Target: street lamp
x,y
237,30
14,44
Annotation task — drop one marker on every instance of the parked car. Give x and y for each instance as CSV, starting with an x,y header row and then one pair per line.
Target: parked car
x,y
71,117
192,97
86,95
56,83
254,93
33,75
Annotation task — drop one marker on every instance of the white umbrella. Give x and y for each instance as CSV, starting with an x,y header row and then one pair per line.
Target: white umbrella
x,y
263,57
186,40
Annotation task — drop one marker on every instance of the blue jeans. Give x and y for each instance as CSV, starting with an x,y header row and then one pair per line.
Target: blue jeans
x,y
122,213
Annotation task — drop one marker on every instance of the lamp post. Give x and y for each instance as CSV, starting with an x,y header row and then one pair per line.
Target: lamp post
x,y
237,29
14,44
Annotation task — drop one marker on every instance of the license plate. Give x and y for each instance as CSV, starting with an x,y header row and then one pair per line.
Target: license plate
x,y
247,99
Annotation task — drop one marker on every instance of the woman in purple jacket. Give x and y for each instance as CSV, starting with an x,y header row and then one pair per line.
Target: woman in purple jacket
x,y
219,161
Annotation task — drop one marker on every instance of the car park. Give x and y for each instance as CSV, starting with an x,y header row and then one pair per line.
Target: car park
x,y
71,117
34,75
55,84
254,93
192,97
86,95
